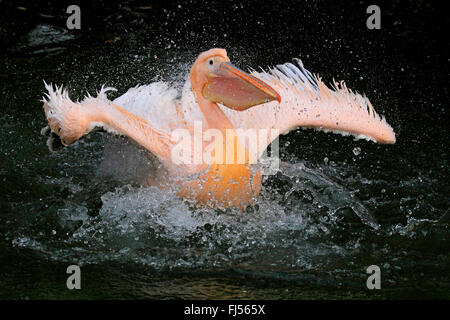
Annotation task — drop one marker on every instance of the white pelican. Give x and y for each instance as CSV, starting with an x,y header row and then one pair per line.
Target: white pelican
x,y
219,98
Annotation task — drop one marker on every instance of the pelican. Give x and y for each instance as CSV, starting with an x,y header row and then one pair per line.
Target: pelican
x,y
224,102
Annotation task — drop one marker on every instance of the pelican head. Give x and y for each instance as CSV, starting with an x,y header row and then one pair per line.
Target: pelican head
x,y
214,78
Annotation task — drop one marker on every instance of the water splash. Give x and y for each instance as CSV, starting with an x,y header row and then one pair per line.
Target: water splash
x,y
157,229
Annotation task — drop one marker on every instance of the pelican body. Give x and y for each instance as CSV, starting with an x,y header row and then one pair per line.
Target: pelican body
x,y
223,101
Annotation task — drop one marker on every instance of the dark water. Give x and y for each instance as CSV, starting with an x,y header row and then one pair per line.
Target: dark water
x,y
337,206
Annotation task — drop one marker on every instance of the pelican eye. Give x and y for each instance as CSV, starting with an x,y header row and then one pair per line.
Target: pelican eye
x,y
211,62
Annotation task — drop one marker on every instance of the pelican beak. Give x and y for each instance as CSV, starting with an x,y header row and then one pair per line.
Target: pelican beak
x,y
237,89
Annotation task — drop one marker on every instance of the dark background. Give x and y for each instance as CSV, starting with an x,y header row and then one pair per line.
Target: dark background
x,y
403,69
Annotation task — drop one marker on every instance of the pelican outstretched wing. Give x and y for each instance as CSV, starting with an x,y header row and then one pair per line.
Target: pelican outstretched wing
x,y
307,102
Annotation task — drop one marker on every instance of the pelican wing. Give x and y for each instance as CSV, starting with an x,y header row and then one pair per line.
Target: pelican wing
x,y
156,103
127,115
307,102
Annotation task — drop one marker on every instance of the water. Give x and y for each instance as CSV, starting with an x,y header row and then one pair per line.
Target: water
x,y
336,207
